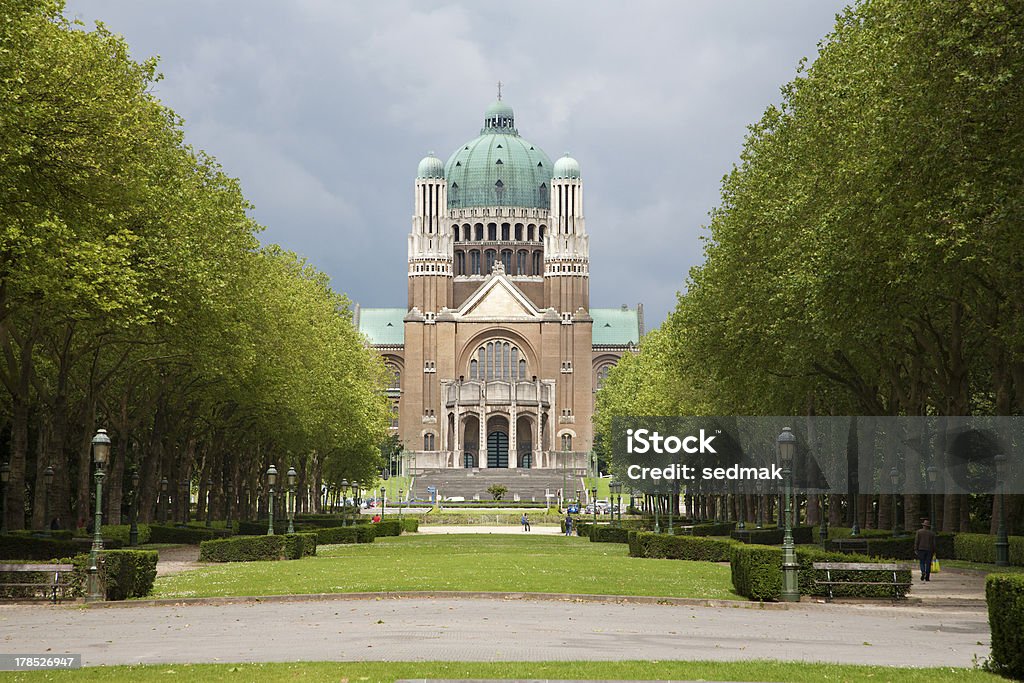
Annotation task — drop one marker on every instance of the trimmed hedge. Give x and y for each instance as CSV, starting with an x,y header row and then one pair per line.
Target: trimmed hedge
x,y
901,548
122,533
756,571
581,528
258,548
174,534
388,527
361,533
21,547
127,573
665,546
609,534
982,548
1004,594
56,534
410,525
706,529
802,535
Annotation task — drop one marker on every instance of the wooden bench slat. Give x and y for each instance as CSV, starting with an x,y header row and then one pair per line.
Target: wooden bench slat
x,y
861,566
36,567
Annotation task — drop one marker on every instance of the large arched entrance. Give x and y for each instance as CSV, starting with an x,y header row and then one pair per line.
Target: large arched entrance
x,y
471,441
524,442
497,442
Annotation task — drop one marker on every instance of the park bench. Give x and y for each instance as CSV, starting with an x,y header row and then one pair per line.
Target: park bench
x,y
57,576
893,568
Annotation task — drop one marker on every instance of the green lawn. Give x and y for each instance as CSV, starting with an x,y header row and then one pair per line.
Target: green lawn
x,y
544,564
389,671
980,566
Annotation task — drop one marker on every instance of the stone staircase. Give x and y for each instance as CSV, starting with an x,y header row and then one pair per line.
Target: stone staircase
x,y
528,484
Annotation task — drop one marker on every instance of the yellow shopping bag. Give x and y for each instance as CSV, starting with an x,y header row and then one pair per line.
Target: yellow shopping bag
x,y
936,568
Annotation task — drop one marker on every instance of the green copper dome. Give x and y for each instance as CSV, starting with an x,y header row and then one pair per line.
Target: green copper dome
x,y
498,168
430,167
567,167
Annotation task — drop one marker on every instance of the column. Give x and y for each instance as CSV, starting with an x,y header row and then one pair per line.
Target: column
x,y
482,456
512,454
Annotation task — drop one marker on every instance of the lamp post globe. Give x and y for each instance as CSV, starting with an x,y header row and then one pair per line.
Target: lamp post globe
x,y
271,480
1002,540
292,478
100,455
786,443
133,530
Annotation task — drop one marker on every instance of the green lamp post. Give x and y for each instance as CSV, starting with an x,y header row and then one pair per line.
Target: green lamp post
x,y
823,528
47,483
383,503
593,499
400,506
229,506
293,476
613,489
933,477
786,443
162,503
271,480
100,454
894,479
209,502
133,530
344,502
1002,541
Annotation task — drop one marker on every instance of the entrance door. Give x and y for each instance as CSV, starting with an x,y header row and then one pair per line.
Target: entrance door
x,y
497,449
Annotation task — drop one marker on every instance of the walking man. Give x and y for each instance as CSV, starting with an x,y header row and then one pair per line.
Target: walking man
x,y
924,546
568,525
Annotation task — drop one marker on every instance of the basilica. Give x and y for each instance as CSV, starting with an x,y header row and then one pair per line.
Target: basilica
x,y
497,354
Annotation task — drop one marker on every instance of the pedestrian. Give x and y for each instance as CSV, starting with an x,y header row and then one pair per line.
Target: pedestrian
x,y
522,520
526,522
55,524
924,546
568,524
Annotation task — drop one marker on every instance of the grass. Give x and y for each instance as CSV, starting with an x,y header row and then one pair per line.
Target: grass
x,y
543,564
311,672
980,566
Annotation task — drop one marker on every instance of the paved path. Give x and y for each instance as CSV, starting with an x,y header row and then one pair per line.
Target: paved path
x,y
488,630
475,529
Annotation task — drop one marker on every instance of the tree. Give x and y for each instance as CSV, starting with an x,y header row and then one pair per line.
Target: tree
x,y
497,491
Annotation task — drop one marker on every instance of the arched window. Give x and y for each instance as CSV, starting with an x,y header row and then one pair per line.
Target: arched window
x,y
498,359
566,442
521,262
428,441
519,231
505,232
479,230
529,233
602,374
536,264
492,232
506,259
460,263
489,257
540,232
455,232
474,262
465,232
396,378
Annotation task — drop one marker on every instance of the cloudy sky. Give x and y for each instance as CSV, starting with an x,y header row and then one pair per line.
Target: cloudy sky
x,y
323,109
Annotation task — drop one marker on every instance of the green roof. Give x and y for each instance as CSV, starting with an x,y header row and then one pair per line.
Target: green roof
x,y
498,168
383,326
615,326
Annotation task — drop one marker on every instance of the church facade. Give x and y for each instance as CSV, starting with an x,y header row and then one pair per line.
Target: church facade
x,y
497,354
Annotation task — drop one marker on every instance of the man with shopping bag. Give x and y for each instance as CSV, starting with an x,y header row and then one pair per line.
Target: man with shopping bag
x,y
924,546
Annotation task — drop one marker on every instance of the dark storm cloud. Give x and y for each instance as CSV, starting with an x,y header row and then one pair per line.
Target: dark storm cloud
x,y
324,108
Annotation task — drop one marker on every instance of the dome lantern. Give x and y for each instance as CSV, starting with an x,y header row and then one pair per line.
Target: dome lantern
x,y
430,167
566,167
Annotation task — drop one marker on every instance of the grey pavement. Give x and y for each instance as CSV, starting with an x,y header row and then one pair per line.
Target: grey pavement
x,y
493,630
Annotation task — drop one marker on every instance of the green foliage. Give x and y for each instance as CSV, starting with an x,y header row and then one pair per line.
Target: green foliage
x,y
411,525
801,535
497,491
706,529
704,549
19,547
257,548
122,532
608,534
173,534
982,548
1004,594
757,571
361,533
127,573
807,556
388,527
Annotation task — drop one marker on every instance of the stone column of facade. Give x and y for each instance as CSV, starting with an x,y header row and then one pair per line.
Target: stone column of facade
x,y
512,450
482,455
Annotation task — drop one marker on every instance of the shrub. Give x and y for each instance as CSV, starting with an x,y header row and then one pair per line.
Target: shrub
x,y
321,521
756,571
1004,594
388,527
708,529
23,547
174,534
361,533
609,534
127,573
73,585
982,548
410,525
636,549
297,546
673,547
582,528
56,534
257,548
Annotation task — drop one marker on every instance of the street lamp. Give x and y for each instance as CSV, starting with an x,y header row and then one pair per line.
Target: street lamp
x,y
271,480
230,504
823,529
184,491
613,489
894,478
162,503
593,499
209,502
742,500
383,503
400,506
933,477
786,443
133,530
292,477
5,478
244,503
344,501
100,454
1002,542
759,502
47,483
